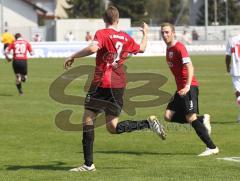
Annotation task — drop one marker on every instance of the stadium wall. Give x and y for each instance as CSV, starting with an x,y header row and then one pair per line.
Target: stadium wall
x,y
154,48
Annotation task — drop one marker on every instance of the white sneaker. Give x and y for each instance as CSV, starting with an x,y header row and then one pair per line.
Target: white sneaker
x,y
209,152
206,123
84,168
156,127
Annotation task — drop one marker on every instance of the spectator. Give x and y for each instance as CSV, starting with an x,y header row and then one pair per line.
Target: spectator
x,y
69,36
195,35
37,38
88,36
186,37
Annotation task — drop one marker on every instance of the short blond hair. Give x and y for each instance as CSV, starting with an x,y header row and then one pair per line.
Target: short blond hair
x,y
168,24
111,15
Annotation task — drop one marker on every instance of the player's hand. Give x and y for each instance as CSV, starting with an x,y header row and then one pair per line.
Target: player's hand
x,y
144,28
184,91
68,62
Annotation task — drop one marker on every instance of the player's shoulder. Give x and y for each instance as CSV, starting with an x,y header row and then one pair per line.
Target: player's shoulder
x,y
234,38
179,45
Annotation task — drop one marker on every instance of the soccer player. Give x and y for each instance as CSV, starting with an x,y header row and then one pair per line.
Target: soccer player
x,y
20,48
107,88
183,107
7,39
233,66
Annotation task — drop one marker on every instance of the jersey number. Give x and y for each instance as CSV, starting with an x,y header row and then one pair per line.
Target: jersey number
x,y
119,47
20,48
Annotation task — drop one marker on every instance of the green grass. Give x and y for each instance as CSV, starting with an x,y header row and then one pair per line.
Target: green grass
x,y
33,148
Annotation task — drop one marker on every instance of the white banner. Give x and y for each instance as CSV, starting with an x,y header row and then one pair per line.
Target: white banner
x,y
154,48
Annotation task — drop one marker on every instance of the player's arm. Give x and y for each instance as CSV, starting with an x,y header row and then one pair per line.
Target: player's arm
x,y
30,50
143,43
190,71
82,53
6,52
228,61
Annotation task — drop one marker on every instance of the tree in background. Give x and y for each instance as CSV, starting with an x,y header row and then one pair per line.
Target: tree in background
x,y
85,9
233,12
158,11
136,10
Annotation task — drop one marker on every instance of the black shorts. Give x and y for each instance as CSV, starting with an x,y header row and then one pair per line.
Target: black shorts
x,y
108,100
20,67
5,46
186,104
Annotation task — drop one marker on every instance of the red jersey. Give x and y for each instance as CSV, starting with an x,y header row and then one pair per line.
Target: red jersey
x,y
177,56
20,49
110,57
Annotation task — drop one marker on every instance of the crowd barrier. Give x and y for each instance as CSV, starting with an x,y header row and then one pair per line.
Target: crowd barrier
x,y
154,48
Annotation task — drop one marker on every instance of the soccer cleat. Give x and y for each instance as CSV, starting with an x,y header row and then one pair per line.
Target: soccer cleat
x,y
20,92
209,152
156,127
84,168
206,123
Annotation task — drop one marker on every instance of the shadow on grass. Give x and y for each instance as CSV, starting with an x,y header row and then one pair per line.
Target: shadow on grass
x,y
5,95
54,166
225,122
141,153
58,166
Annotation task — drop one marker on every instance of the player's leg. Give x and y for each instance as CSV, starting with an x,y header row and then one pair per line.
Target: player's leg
x,y
237,93
16,69
202,134
236,85
18,83
87,141
174,111
115,127
190,102
113,110
24,71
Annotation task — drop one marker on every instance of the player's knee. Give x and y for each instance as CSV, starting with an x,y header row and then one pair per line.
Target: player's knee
x,y
191,117
111,128
167,117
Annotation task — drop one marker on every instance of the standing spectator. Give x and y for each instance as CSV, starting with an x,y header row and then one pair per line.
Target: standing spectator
x,y
7,39
69,36
88,36
107,88
232,59
183,107
186,37
20,49
195,35
37,38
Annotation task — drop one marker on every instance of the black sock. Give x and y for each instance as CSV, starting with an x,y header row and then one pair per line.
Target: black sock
x,y
129,126
87,143
202,134
19,87
200,118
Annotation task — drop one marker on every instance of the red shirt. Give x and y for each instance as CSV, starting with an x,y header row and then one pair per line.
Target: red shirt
x,y
113,47
20,48
177,56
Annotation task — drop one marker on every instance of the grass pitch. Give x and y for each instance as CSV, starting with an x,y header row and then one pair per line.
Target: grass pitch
x,y
34,148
